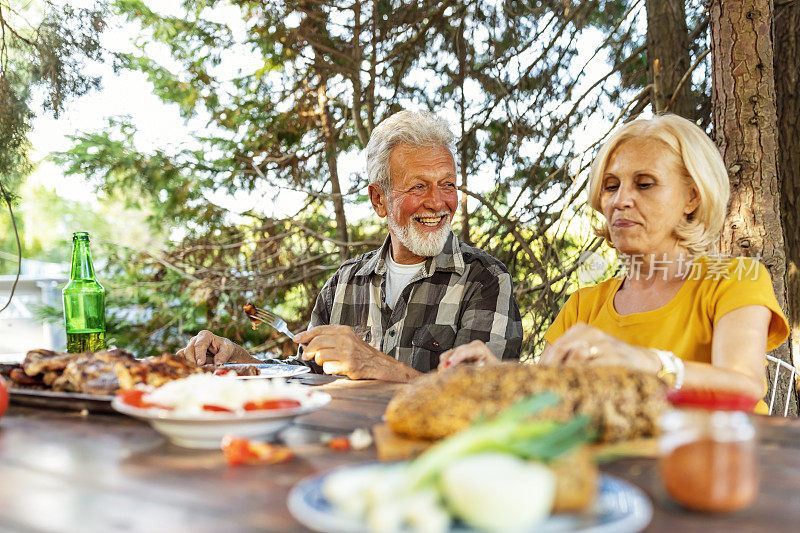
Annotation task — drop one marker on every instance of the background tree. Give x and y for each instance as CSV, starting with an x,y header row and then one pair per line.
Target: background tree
x,y
745,124
511,77
669,64
41,45
787,97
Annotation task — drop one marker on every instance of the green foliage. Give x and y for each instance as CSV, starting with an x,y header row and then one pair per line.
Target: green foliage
x,y
15,117
515,431
510,77
50,53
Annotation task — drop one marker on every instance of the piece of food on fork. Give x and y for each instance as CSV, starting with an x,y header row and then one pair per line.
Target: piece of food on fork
x,y
251,311
258,316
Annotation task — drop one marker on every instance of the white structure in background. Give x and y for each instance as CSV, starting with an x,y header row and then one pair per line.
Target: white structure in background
x,y
40,283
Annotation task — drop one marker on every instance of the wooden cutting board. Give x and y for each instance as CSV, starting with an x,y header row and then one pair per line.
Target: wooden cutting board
x,y
394,447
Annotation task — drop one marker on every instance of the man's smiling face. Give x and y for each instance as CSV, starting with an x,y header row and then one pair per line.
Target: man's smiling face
x,y
422,201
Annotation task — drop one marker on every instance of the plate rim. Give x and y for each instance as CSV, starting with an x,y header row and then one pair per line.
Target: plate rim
x,y
313,518
296,370
320,400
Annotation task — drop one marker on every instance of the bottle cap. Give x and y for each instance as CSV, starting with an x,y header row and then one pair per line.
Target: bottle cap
x,y
712,400
80,236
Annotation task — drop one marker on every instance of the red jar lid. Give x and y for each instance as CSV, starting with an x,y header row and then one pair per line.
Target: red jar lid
x,y
711,400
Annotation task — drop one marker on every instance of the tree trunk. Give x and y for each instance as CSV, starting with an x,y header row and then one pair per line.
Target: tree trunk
x,y
787,99
462,53
743,101
331,160
358,122
668,42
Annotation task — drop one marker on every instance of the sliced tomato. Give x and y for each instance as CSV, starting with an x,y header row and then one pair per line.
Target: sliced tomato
x,y
239,451
135,398
222,371
210,407
340,444
236,450
132,397
271,404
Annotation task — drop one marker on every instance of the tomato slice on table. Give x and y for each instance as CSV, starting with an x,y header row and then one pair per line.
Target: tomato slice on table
x,y
239,451
340,444
271,404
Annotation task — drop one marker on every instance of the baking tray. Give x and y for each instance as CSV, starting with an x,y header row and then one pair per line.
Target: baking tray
x,y
72,401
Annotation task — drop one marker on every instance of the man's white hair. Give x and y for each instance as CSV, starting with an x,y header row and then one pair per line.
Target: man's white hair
x,y
419,129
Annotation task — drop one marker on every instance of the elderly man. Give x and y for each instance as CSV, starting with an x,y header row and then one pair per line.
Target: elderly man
x,y
390,313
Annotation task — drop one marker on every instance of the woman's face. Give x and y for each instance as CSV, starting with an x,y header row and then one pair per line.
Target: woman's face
x,y
644,196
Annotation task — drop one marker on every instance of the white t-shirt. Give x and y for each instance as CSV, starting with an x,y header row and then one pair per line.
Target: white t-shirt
x,y
397,277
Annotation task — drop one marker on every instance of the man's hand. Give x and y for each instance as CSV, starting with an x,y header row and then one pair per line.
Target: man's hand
x,y
474,352
588,346
205,347
338,350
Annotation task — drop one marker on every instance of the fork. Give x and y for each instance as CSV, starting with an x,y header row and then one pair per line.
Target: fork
x,y
271,319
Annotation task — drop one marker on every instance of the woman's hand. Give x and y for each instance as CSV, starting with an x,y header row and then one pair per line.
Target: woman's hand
x,y
588,346
474,352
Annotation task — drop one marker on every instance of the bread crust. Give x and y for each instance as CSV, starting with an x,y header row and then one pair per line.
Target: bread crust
x,y
623,404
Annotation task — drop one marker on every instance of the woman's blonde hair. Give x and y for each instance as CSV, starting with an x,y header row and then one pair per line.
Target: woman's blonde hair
x,y
701,164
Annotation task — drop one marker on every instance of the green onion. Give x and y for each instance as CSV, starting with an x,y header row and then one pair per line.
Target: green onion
x,y
511,432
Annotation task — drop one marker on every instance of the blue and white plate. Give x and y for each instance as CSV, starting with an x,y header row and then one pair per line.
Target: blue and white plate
x,y
272,370
620,507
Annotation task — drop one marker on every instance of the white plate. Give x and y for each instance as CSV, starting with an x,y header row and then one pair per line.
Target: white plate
x,y
206,430
620,507
271,370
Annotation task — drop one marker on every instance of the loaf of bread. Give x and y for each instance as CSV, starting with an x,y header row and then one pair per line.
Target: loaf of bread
x,y
623,404
576,480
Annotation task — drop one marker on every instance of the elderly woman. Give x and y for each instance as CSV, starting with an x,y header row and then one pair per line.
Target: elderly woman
x,y
694,320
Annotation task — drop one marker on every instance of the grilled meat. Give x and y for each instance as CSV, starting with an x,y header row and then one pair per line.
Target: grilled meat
x,y
243,370
48,378
19,377
93,373
248,370
41,361
103,372
6,368
154,371
623,404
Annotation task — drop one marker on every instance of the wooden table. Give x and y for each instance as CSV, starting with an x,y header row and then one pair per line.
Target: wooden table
x,y
64,471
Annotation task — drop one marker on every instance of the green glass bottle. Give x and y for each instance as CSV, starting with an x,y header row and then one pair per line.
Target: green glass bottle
x,y
84,301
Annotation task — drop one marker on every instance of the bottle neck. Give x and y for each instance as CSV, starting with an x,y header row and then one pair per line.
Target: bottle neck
x,y
81,261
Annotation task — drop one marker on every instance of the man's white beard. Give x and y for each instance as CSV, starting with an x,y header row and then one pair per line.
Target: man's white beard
x,y
418,241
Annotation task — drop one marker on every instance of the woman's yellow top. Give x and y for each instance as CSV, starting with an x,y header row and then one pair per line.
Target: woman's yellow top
x,y
685,325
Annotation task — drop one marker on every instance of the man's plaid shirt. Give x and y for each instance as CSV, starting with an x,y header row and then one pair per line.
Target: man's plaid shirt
x,y
462,294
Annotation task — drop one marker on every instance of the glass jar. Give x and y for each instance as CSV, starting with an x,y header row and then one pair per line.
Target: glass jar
x,y
708,451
